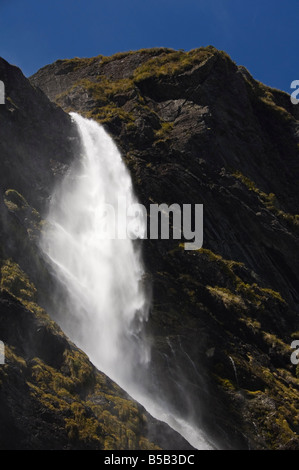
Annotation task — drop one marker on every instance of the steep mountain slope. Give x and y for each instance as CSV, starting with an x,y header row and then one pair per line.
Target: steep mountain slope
x,y
196,128
52,397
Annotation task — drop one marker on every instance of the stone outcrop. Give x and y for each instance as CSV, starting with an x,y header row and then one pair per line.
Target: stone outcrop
x,y
193,128
52,397
196,128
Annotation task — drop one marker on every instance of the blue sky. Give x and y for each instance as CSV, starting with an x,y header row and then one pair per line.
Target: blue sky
x,y
262,35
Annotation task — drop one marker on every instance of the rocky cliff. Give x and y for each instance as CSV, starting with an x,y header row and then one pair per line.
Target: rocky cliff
x,y
51,396
194,127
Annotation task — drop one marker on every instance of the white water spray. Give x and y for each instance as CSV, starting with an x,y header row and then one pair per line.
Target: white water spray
x,y
107,302
103,275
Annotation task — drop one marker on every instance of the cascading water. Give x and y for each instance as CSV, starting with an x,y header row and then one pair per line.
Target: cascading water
x,y
102,273
100,267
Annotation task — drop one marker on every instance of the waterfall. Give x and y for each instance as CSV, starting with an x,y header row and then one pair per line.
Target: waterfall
x,y
235,370
107,303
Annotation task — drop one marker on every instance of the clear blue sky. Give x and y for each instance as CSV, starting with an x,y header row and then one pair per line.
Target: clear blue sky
x,y
262,35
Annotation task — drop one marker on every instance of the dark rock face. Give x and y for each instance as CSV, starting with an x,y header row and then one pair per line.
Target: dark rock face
x,y
51,396
196,128
35,135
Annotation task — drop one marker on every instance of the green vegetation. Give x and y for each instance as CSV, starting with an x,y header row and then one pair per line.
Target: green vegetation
x,y
16,282
74,390
227,297
106,89
114,424
244,293
273,341
77,63
225,383
107,113
233,291
269,101
272,389
111,95
201,298
269,98
173,63
123,55
268,200
10,100
27,215
103,93
109,98
164,131
14,201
